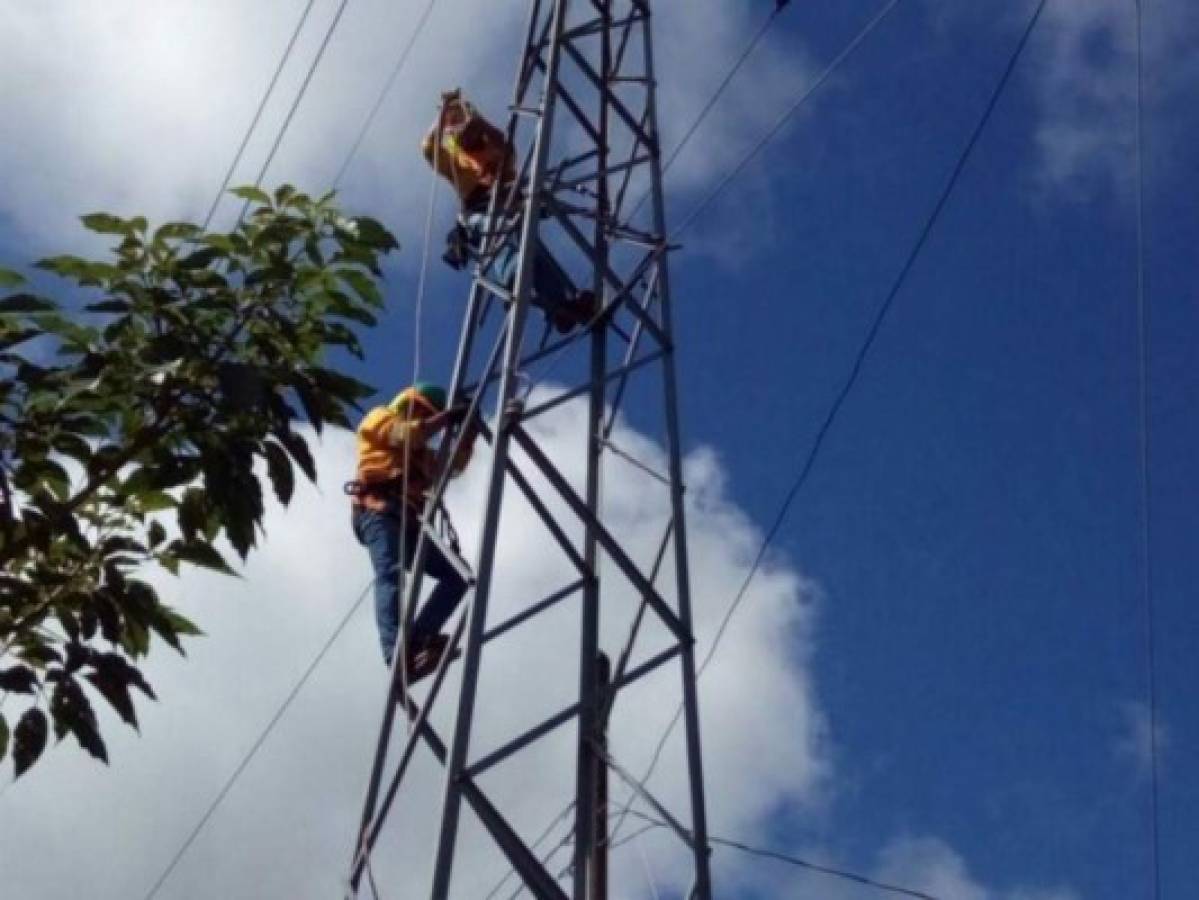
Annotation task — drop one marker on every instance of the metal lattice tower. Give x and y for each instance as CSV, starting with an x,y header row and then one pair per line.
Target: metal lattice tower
x,y
584,131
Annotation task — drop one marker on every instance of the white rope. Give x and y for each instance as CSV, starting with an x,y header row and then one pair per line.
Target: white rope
x,y
649,875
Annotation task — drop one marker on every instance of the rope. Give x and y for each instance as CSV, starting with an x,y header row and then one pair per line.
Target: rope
x,y
1143,356
855,371
320,53
237,157
649,875
387,87
786,116
399,654
232,780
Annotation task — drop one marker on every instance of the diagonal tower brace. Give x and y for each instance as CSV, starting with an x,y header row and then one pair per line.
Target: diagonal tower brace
x,y
584,113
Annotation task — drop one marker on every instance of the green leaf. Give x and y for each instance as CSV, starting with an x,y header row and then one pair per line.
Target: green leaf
x,y
154,501
200,259
372,233
311,403
105,223
199,553
298,449
109,306
193,513
18,680
66,265
176,231
29,740
279,469
341,386
253,194
26,303
111,678
73,712
9,278
170,625
362,285
156,534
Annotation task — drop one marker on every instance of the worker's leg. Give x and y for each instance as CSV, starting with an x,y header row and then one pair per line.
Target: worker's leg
x,y
553,290
446,595
381,537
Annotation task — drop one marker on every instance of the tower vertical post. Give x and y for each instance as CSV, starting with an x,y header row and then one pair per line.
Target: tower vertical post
x,y
585,141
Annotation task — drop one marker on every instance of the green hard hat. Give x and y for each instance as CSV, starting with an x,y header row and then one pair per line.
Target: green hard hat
x,y
432,394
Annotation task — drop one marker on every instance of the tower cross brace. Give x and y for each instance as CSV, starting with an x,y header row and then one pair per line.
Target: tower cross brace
x,y
584,129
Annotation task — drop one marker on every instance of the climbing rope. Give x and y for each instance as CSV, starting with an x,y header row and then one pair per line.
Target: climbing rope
x,y
1146,536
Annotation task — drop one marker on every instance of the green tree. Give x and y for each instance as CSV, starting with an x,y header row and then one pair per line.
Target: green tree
x,y
129,435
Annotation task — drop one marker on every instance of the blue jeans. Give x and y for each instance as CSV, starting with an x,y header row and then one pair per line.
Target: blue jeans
x,y
379,532
552,287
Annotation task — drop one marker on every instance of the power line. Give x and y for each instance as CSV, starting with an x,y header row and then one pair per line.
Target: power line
x,y
241,767
765,139
712,101
787,115
316,61
270,89
855,371
1143,356
387,86
791,859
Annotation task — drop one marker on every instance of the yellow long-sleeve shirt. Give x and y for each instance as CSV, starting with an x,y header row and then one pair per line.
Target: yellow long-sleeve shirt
x,y
387,441
471,157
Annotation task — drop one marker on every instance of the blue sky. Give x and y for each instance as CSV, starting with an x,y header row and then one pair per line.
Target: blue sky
x,y
972,523
973,519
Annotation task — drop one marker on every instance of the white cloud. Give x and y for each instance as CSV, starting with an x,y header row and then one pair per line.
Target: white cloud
x,y
116,107
1087,91
1136,743
286,828
1087,94
932,866
126,108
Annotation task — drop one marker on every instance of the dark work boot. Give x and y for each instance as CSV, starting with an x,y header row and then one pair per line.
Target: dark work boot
x,y
424,655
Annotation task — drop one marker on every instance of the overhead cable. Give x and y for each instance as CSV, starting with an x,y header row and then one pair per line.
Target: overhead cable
x,y
379,101
1143,356
654,823
808,91
270,89
809,460
253,751
824,870
782,120
713,100
316,61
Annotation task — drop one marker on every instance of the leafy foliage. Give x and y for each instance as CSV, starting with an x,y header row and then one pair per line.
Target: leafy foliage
x,y
192,363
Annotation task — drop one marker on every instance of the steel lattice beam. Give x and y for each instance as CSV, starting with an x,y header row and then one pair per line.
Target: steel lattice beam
x,y
580,76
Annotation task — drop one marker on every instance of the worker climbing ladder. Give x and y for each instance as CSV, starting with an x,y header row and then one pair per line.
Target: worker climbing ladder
x,y
584,153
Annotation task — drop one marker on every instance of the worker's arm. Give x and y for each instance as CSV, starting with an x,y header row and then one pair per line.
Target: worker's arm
x,y
443,159
419,430
466,447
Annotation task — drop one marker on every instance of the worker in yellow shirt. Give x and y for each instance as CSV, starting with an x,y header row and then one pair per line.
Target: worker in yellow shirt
x,y
397,466
473,155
